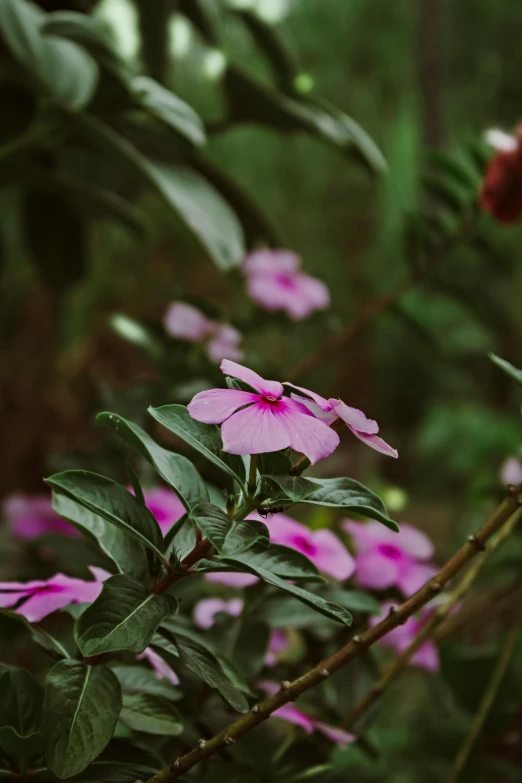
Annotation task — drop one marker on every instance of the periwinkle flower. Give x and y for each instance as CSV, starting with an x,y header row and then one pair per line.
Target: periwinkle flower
x,y
400,638
185,322
275,282
386,559
206,610
32,516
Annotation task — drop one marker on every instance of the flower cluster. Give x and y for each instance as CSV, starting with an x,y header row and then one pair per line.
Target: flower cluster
x,y
187,323
265,420
275,282
501,192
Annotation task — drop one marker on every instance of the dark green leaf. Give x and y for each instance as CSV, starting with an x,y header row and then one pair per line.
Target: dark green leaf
x,y
226,536
281,560
126,552
81,707
124,617
175,469
336,493
89,31
167,107
204,17
271,43
21,701
110,500
276,462
251,646
121,762
204,664
151,714
508,368
326,608
65,71
138,679
205,438
191,197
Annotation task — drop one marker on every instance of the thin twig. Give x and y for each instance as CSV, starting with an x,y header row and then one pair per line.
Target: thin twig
x,y
487,700
397,616
441,613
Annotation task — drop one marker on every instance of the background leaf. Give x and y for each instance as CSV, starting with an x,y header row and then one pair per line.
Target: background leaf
x,y
163,104
151,714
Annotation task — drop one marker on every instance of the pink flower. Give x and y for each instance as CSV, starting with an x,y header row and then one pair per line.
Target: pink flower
x,y
185,322
266,422
224,344
427,656
275,282
278,643
329,410
161,667
31,516
511,472
206,610
165,505
322,547
385,559
291,714
232,579
42,597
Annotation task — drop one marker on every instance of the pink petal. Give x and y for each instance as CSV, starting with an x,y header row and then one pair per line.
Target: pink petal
x,y
267,388
165,506
216,405
291,714
267,292
185,322
40,605
308,294
323,403
255,430
232,578
206,610
375,571
100,574
8,600
511,471
160,666
328,417
339,736
427,657
283,529
412,576
375,443
31,516
270,261
306,434
367,535
354,418
414,542
332,557
224,344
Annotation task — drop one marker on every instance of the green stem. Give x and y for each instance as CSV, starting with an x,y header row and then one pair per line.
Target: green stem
x,y
488,699
252,476
397,616
401,662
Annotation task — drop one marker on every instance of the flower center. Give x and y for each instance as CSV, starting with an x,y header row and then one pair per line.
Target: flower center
x,y
271,398
391,551
305,546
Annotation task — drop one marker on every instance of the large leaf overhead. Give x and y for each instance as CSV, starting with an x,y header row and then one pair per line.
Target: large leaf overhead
x,y
186,192
81,707
61,68
108,499
175,469
124,617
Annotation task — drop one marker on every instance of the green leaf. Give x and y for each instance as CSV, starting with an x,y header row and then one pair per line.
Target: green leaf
x,y
508,368
121,762
107,498
185,191
40,636
65,71
89,31
205,438
270,42
205,665
150,714
226,536
126,552
251,646
276,462
352,599
164,105
80,710
124,617
281,560
138,679
326,608
175,469
336,493
20,716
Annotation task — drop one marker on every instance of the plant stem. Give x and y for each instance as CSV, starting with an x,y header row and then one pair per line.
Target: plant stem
x,y
440,614
359,644
252,476
487,700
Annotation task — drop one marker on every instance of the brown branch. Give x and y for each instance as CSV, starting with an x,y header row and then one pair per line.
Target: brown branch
x,y
487,700
441,613
397,616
